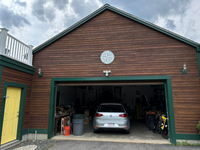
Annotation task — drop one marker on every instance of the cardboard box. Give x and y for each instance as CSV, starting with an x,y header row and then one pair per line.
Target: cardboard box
x,y
87,112
87,120
64,123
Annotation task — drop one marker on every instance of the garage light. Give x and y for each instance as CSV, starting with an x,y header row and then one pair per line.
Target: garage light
x,y
107,72
184,69
40,73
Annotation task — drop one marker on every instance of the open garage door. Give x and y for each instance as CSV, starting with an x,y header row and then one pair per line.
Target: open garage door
x,y
143,100
110,83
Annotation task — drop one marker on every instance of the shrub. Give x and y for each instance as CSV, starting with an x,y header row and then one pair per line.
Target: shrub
x,y
198,126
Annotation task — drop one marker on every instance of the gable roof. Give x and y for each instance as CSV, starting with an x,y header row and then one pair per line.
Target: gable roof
x,y
125,14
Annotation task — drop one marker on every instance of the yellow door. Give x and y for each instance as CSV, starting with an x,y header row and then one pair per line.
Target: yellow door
x,y
11,113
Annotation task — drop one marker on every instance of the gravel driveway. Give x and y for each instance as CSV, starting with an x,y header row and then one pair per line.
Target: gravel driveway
x,y
41,144
86,145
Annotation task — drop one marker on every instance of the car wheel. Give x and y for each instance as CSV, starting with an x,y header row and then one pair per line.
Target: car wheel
x,y
127,131
164,134
96,130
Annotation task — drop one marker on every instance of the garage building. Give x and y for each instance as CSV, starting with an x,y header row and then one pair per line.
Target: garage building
x,y
151,68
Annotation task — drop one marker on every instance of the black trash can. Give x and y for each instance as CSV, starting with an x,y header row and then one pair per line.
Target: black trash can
x,y
151,121
78,122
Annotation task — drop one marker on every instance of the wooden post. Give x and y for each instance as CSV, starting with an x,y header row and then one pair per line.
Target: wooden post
x,y
3,37
30,54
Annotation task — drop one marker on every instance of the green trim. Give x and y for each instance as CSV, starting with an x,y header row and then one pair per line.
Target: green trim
x,y
1,73
198,48
51,110
92,79
167,107
188,136
198,61
8,62
171,123
39,131
21,107
153,26
25,131
168,90
106,6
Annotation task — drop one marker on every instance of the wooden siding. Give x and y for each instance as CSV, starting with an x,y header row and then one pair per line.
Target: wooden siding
x,y
138,50
16,76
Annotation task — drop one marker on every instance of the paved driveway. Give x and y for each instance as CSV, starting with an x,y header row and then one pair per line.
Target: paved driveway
x,y
86,145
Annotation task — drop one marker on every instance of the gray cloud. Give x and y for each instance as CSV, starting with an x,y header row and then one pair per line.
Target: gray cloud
x,y
69,21
23,4
170,24
152,10
83,9
10,19
61,4
50,14
45,14
38,10
191,31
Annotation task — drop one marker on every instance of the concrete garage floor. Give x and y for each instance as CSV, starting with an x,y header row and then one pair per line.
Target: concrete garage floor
x,y
139,134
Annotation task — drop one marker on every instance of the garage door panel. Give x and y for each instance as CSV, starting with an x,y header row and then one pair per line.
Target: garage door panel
x,y
110,83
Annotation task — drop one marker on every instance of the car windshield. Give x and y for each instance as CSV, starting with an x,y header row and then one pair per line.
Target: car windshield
x,y
111,108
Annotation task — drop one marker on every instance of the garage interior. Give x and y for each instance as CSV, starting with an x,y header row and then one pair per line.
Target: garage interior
x,y
139,99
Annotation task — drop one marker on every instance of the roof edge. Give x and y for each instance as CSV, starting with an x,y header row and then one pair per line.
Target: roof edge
x,y
72,27
116,10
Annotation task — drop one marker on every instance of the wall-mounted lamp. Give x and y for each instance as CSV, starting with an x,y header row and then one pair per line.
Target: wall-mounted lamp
x,y
40,73
184,69
107,72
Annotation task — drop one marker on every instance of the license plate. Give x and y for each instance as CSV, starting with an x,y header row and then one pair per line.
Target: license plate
x,y
111,124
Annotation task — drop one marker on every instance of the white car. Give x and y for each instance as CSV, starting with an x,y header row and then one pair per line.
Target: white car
x,y
111,116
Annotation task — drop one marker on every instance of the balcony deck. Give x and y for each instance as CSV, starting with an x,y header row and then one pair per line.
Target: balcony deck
x,y
14,48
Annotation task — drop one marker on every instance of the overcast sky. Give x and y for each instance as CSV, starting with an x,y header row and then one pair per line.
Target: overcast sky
x,y
35,21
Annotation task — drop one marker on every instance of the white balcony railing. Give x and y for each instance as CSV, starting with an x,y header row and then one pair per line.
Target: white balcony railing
x,y
14,48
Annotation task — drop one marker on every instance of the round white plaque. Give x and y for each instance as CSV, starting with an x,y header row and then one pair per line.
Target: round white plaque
x,y
107,57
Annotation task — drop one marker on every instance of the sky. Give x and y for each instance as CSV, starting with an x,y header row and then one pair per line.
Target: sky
x,y
35,21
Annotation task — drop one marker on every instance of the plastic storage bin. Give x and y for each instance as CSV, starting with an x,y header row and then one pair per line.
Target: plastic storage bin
x,y
78,126
78,116
78,121
151,121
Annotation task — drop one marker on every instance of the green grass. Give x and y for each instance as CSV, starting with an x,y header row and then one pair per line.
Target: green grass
x,y
185,143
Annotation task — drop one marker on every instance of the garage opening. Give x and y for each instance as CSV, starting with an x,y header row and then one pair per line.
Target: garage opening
x,y
143,101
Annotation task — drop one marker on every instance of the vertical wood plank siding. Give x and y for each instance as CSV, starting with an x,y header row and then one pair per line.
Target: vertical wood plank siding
x,y
138,50
16,76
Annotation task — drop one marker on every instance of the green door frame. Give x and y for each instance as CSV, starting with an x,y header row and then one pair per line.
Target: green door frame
x,y
168,93
21,108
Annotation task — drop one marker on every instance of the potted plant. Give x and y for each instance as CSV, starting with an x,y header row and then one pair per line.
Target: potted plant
x,y
198,126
